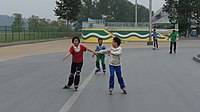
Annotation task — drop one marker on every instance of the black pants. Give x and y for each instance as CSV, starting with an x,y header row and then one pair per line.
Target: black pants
x,y
155,43
75,70
171,46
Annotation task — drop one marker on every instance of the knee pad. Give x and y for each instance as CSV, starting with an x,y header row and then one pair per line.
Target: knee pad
x,y
78,73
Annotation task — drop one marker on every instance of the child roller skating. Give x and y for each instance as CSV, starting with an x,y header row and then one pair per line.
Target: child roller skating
x,y
115,65
100,57
76,50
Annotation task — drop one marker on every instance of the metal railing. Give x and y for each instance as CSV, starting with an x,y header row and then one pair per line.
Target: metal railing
x,y
126,24
116,25
190,33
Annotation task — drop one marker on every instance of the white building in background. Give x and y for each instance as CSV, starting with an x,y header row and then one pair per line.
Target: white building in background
x,y
160,17
160,20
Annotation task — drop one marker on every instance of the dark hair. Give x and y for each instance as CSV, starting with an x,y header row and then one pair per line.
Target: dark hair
x,y
75,38
173,30
100,39
154,29
118,40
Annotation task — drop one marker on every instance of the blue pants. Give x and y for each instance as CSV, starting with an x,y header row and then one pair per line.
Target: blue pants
x,y
116,69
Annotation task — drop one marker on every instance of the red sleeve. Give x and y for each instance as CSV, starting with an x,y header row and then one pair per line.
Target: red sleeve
x,y
71,49
83,48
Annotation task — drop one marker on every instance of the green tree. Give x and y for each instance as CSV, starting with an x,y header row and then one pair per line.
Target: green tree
x,y
36,23
33,22
88,8
67,9
171,7
54,25
18,22
196,12
43,23
112,10
143,14
61,24
184,16
185,12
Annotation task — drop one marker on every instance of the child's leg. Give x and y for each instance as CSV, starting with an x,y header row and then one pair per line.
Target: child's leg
x,y
156,43
103,63
174,47
77,77
170,47
97,62
111,82
119,76
71,77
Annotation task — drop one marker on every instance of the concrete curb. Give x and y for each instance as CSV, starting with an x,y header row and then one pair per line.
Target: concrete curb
x,y
29,42
197,58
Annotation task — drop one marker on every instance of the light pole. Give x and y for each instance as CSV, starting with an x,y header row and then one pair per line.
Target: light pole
x,y
150,23
136,13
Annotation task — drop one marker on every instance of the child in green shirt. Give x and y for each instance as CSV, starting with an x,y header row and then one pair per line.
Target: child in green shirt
x,y
173,38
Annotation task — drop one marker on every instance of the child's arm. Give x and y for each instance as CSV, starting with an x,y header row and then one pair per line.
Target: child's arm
x,y
94,54
118,52
168,37
91,51
107,51
65,57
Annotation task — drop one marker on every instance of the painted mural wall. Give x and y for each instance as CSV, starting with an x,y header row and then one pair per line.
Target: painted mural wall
x,y
92,34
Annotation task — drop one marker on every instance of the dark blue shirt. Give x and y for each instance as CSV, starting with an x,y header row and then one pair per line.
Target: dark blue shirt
x,y
102,47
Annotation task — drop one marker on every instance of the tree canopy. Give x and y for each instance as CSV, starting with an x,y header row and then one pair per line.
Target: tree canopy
x,y
18,22
34,22
185,13
67,10
113,11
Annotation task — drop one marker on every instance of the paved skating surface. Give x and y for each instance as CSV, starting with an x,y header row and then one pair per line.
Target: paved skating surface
x,y
156,82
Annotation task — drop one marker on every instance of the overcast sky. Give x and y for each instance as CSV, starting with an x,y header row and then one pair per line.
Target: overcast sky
x,y
44,8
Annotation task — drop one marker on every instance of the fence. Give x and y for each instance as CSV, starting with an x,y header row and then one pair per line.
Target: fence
x,y
127,24
13,34
190,33
116,25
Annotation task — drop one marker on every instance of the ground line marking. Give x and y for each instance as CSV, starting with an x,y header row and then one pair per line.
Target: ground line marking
x,y
74,97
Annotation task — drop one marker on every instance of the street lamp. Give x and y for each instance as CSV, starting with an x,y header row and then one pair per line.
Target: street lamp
x,y
150,23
